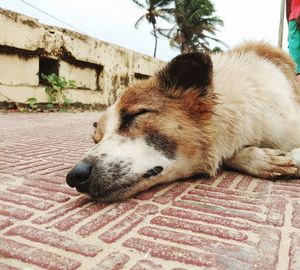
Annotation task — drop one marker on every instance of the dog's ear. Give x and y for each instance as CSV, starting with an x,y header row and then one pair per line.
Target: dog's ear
x,y
190,70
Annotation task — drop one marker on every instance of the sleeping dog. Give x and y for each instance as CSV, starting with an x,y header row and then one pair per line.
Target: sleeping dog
x,y
239,109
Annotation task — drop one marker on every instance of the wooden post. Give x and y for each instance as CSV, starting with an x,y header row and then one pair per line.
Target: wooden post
x,y
281,23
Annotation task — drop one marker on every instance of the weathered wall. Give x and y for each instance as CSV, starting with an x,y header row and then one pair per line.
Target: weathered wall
x,y
101,70
15,70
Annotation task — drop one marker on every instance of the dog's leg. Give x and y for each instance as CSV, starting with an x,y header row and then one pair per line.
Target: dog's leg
x,y
295,153
265,162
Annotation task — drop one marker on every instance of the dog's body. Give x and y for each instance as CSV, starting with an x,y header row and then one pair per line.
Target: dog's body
x,y
239,109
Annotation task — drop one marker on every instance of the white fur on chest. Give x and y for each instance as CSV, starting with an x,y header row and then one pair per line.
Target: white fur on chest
x,y
256,105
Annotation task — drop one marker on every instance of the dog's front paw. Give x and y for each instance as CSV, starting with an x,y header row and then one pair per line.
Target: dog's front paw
x,y
264,162
270,163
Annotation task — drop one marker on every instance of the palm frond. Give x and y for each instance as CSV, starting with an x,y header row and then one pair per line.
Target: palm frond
x,y
166,17
138,22
168,33
162,3
196,24
138,3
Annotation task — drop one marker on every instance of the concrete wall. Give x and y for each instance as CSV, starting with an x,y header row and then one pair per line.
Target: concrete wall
x,y
101,70
15,70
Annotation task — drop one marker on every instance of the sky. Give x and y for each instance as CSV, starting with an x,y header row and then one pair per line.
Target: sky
x,y
113,21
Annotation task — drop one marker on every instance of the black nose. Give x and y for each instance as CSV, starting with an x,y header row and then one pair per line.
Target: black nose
x,y
78,177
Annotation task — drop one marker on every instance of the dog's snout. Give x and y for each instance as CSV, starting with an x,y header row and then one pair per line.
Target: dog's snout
x,y
78,177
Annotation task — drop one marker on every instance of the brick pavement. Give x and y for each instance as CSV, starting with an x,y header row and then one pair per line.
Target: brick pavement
x,y
227,222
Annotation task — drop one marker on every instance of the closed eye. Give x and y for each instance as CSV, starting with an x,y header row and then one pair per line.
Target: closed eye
x,y
140,112
128,118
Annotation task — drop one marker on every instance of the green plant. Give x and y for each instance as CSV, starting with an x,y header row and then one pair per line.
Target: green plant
x,y
32,102
57,90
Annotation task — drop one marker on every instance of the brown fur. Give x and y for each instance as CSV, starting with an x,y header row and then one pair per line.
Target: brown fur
x,y
278,57
192,116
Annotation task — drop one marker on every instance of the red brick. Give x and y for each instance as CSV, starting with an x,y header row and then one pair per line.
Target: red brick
x,y
262,254
268,247
128,223
70,221
243,253
7,159
220,211
276,211
296,215
19,169
61,211
113,261
53,239
103,219
11,211
294,252
32,255
227,180
244,183
6,169
43,166
219,194
46,195
262,186
7,267
63,158
29,202
146,265
172,193
287,192
47,178
289,185
150,193
196,216
62,173
53,187
25,164
211,180
48,153
224,203
5,222
49,167
172,253
199,228
56,169
8,180
33,152
229,191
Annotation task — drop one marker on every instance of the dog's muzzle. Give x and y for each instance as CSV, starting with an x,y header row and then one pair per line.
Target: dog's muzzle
x,y
80,176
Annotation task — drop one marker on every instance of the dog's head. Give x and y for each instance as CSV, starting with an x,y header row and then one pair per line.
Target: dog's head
x,y
158,131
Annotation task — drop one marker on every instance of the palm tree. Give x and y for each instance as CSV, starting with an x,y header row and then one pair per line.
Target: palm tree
x,y
154,9
194,25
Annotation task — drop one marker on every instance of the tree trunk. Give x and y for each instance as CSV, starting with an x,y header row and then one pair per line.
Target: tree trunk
x,y
155,37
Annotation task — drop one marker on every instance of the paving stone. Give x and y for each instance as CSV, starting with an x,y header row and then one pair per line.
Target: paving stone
x,y
229,222
113,261
40,257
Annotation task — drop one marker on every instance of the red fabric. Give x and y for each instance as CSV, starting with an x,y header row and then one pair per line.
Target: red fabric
x,y
295,9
